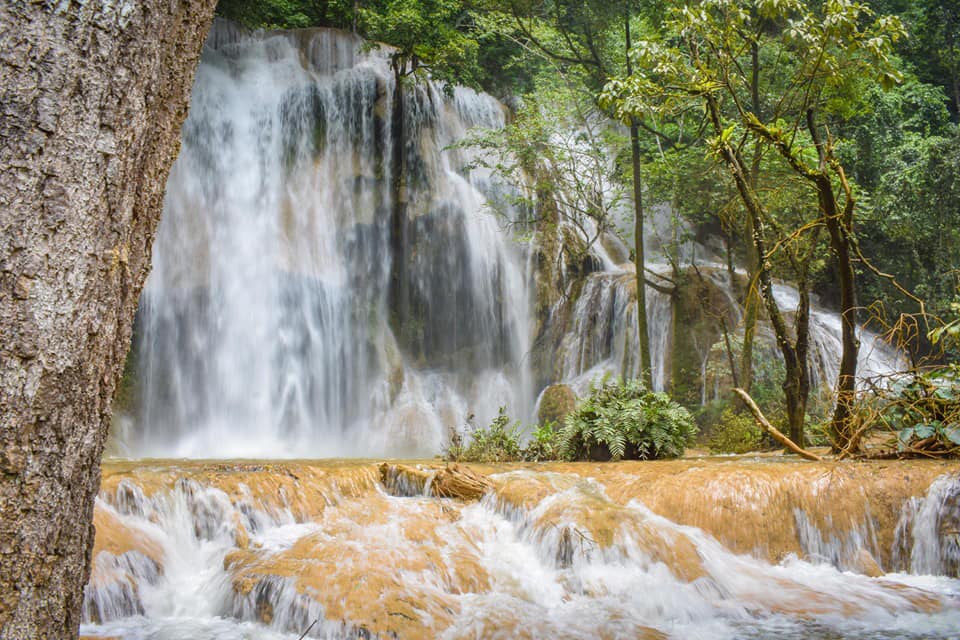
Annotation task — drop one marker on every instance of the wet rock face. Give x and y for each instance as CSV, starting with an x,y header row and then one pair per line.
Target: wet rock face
x,y
92,97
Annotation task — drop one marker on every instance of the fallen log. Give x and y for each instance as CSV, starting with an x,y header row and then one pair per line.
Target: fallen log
x,y
453,481
773,431
461,483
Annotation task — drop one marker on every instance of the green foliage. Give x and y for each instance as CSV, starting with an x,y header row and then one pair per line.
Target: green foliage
x,y
498,442
623,419
125,396
428,35
286,14
544,445
933,49
925,411
948,333
557,146
904,154
736,432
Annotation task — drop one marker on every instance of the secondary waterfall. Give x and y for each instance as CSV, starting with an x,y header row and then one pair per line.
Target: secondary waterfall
x,y
267,326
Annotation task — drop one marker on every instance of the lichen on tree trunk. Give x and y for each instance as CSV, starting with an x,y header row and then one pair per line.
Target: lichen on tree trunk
x,y
92,97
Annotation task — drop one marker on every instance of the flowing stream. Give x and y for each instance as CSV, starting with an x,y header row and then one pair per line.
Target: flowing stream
x,y
708,549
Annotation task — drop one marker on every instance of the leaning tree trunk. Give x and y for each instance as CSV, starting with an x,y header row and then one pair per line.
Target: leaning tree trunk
x,y
92,97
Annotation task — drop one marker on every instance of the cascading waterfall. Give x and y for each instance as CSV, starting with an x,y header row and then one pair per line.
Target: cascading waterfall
x,y
287,315
266,326
251,551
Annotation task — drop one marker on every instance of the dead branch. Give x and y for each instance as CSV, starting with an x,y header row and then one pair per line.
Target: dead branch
x,y
461,483
773,431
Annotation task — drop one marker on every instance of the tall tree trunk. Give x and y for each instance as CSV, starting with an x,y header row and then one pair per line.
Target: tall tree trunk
x,y
839,223
798,373
751,300
796,390
751,303
92,98
639,259
839,231
399,296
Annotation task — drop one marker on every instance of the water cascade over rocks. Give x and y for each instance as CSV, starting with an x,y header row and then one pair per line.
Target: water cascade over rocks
x,y
268,326
296,309
707,549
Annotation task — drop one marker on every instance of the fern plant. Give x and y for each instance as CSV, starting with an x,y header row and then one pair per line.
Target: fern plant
x,y
624,419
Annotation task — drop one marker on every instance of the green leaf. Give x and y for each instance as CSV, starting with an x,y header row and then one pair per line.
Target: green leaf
x,y
904,435
924,430
952,433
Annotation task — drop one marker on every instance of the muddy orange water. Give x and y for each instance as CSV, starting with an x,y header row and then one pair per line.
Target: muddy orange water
x,y
695,548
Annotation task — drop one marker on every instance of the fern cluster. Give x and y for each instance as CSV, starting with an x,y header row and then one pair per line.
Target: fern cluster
x,y
623,419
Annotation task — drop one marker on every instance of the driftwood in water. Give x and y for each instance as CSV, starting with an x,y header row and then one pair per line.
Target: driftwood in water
x,y
459,482
453,481
773,431
403,481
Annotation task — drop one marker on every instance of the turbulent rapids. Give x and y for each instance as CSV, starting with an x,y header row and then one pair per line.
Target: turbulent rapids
x,y
710,548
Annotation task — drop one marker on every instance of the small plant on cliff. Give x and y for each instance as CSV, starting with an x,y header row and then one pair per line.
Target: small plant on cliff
x,y
499,442
624,419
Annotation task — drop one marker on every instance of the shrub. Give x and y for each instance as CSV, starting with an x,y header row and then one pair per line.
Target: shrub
x,y
623,419
735,433
499,442
544,445
924,410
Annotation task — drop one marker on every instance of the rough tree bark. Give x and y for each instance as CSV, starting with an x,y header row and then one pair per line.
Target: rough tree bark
x,y
92,97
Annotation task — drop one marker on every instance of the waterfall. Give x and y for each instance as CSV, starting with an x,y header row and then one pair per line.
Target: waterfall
x,y
266,326
289,314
